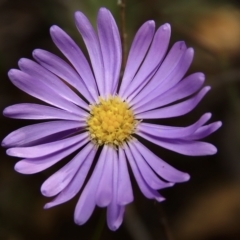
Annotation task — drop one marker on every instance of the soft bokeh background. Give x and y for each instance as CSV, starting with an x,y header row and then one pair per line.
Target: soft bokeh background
x,y
205,208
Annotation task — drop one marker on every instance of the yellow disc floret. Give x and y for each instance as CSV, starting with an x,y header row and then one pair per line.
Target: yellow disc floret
x,y
111,121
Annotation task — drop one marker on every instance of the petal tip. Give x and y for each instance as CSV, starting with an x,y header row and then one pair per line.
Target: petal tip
x,y
166,27
186,177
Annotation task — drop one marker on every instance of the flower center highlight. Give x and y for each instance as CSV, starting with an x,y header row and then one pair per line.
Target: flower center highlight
x,y
111,121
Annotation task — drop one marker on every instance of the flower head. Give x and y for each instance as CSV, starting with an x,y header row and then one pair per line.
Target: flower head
x,y
108,115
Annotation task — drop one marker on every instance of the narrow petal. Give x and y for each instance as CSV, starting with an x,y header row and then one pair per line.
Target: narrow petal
x,y
144,187
34,165
183,89
138,50
47,148
63,70
60,179
26,135
154,89
105,188
147,173
38,112
167,70
42,75
114,211
125,192
151,63
115,215
73,53
92,43
172,132
76,183
163,169
185,147
111,48
205,131
39,90
87,201
175,110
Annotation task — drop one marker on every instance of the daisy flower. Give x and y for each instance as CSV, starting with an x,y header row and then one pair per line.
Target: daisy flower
x,y
102,118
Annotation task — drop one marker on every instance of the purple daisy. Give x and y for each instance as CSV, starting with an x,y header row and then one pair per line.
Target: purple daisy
x,y
92,112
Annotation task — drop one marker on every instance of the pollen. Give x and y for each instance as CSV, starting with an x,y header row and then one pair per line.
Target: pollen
x,y
111,121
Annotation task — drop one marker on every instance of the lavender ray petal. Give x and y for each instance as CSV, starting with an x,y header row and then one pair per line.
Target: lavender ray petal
x,y
40,74
172,79
34,165
76,183
185,147
87,201
165,71
115,216
73,53
61,179
92,43
114,211
175,110
183,89
39,90
163,169
37,112
25,135
172,132
205,131
63,70
105,187
152,61
110,43
138,50
125,192
144,187
46,148
147,173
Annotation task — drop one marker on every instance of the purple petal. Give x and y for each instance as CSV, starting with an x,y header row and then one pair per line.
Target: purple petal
x,y
151,63
34,165
26,135
63,70
61,179
77,182
163,169
73,53
87,201
114,211
47,148
144,187
37,111
175,110
205,131
183,89
185,147
147,173
39,90
125,193
115,215
138,50
42,75
105,188
92,43
167,70
172,132
111,49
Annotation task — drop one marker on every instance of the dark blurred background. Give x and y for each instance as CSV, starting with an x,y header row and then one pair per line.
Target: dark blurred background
x,y
205,208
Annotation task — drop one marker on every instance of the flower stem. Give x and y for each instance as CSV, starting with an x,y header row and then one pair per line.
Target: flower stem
x,y
164,225
122,5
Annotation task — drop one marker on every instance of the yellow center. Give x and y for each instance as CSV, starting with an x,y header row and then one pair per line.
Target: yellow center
x,y
111,121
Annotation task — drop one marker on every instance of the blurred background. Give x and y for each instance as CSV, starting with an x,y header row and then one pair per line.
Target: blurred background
x,y
205,208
